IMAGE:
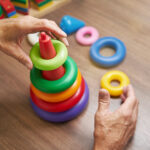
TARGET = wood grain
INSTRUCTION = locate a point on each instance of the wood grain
(21, 129)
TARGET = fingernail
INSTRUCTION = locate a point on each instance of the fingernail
(67, 43)
(103, 93)
(29, 66)
(64, 34)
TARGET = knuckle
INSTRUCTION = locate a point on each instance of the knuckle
(22, 21)
(45, 22)
(53, 22)
(98, 116)
(21, 58)
(101, 117)
(96, 133)
(127, 115)
(18, 24)
(28, 17)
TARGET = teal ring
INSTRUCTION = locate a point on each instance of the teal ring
(59, 85)
(49, 64)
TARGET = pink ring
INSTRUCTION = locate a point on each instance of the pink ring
(80, 35)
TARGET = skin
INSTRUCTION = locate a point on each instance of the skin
(112, 129)
(13, 31)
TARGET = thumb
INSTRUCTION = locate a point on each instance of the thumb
(104, 100)
(22, 57)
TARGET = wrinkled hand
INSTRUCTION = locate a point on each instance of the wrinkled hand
(114, 129)
(12, 32)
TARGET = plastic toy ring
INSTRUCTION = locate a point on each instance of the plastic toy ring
(33, 38)
(66, 115)
(58, 85)
(58, 97)
(114, 76)
(50, 64)
(112, 60)
(81, 35)
(61, 106)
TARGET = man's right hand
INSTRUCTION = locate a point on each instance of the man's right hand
(114, 129)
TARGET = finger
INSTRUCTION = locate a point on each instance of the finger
(123, 98)
(51, 35)
(131, 129)
(64, 40)
(135, 112)
(104, 100)
(14, 50)
(130, 101)
(130, 91)
(125, 91)
(55, 29)
(22, 57)
(35, 25)
(129, 133)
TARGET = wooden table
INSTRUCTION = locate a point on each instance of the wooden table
(21, 129)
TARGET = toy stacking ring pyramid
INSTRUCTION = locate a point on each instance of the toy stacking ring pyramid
(58, 92)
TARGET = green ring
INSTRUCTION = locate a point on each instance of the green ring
(1, 11)
(43, 3)
(50, 64)
(58, 85)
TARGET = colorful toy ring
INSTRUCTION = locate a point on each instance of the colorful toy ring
(58, 85)
(33, 38)
(81, 35)
(61, 106)
(112, 60)
(66, 115)
(58, 97)
(49, 64)
(114, 76)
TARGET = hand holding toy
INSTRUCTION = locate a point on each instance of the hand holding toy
(56, 96)
(18, 28)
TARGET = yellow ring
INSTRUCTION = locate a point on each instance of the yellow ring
(111, 76)
(21, 5)
(58, 97)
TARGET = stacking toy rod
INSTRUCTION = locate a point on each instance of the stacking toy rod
(47, 51)
(56, 96)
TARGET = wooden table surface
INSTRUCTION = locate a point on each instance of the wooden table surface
(21, 129)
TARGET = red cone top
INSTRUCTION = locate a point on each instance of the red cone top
(47, 50)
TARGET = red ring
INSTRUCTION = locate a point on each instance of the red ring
(61, 106)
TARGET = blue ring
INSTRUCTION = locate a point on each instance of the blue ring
(118, 57)
(26, 10)
(11, 13)
(66, 115)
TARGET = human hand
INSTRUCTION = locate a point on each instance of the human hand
(12, 32)
(114, 129)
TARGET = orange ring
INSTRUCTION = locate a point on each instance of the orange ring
(58, 97)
